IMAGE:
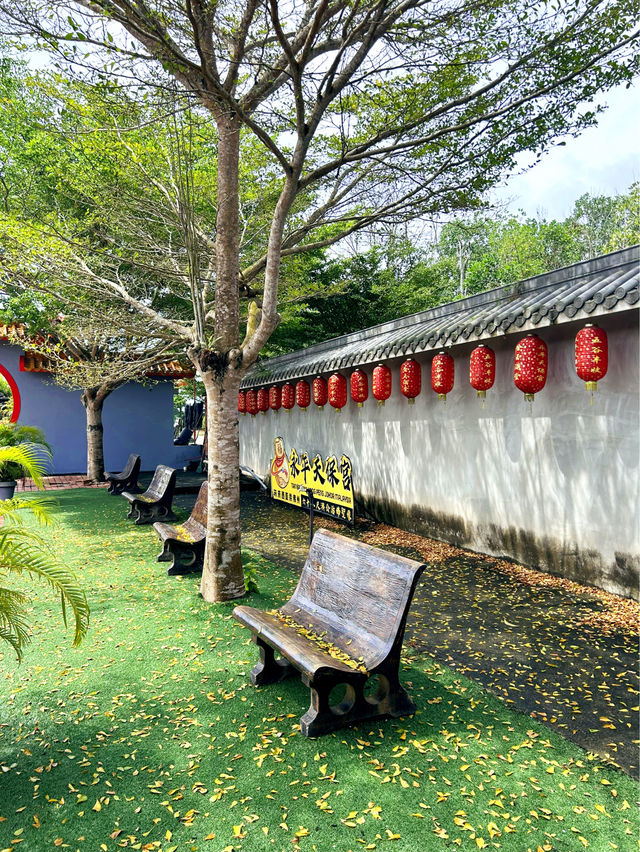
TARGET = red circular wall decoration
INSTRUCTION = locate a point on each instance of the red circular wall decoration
(14, 392)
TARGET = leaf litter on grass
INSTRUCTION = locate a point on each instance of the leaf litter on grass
(150, 736)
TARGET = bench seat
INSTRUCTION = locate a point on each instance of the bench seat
(307, 657)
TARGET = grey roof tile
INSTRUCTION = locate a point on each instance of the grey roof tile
(593, 286)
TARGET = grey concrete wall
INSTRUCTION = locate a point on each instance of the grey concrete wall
(136, 419)
(554, 485)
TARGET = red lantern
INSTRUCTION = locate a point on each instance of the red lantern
(242, 402)
(359, 387)
(482, 369)
(410, 379)
(252, 402)
(381, 383)
(263, 401)
(337, 391)
(288, 396)
(442, 374)
(303, 394)
(320, 392)
(275, 397)
(591, 356)
(530, 366)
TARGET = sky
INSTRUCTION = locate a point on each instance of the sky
(603, 160)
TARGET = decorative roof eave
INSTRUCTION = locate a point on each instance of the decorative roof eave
(586, 290)
(12, 330)
(34, 362)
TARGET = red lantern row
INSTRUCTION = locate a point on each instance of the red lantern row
(529, 375)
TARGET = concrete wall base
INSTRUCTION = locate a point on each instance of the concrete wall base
(585, 566)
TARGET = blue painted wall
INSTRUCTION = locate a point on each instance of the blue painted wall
(137, 419)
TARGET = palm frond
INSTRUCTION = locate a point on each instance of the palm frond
(24, 551)
(22, 558)
(39, 507)
(13, 625)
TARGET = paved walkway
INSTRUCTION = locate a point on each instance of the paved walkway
(562, 653)
(67, 480)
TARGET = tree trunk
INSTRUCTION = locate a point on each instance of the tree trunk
(222, 577)
(93, 403)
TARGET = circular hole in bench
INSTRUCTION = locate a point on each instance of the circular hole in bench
(376, 689)
(342, 698)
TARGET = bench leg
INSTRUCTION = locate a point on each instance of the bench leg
(397, 701)
(185, 561)
(390, 699)
(269, 670)
(166, 554)
(148, 514)
(144, 516)
(133, 512)
(163, 513)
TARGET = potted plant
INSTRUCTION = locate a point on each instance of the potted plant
(12, 467)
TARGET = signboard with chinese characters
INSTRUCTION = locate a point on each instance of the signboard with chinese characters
(329, 479)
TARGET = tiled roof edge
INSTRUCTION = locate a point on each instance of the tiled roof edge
(275, 369)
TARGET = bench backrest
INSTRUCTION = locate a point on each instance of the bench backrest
(358, 594)
(131, 468)
(163, 482)
(199, 512)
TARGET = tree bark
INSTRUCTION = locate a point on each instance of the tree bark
(222, 576)
(93, 403)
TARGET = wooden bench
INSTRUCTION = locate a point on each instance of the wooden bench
(127, 478)
(183, 544)
(156, 501)
(342, 628)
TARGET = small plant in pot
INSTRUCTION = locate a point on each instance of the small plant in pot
(12, 465)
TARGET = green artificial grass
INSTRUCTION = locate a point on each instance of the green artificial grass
(150, 735)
